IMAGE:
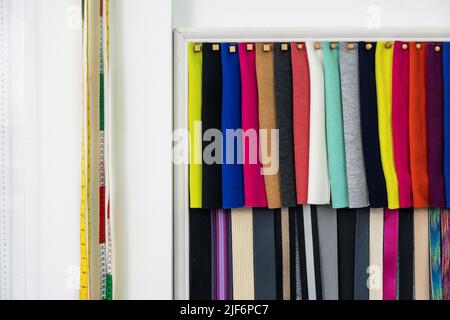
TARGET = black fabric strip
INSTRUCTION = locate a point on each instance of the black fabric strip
(292, 251)
(264, 254)
(362, 253)
(278, 253)
(316, 250)
(302, 251)
(369, 121)
(406, 254)
(200, 254)
(284, 107)
(211, 119)
(346, 222)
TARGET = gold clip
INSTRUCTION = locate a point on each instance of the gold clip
(437, 48)
(266, 47)
(215, 47)
(197, 47)
(368, 46)
(317, 45)
(333, 45)
(284, 47)
(299, 46)
(388, 45)
(232, 48)
(249, 46)
(404, 46)
(418, 46)
(350, 46)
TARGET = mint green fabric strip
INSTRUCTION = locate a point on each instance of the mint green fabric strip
(335, 130)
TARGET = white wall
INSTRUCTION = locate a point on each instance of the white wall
(309, 13)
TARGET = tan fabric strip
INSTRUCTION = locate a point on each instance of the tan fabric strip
(242, 247)
(286, 254)
(375, 271)
(421, 265)
(267, 120)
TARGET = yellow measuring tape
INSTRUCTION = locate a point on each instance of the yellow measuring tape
(85, 207)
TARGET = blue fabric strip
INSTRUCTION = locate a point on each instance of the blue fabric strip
(232, 171)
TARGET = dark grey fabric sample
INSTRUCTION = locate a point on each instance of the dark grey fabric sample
(362, 254)
(264, 254)
(284, 107)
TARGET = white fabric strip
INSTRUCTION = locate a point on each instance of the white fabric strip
(310, 271)
(318, 179)
(375, 271)
(5, 190)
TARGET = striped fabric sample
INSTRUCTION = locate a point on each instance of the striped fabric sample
(267, 122)
(435, 254)
(400, 121)
(318, 179)
(418, 124)
(356, 175)
(445, 246)
(232, 169)
(301, 114)
(435, 138)
(334, 124)
(255, 193)
(383, 69)
(195, 133)
(242, 254)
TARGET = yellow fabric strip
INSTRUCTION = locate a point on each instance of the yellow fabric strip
(286, 254)
(195, 130)
(375, 271)
(383, 68)
(421, 254)
(242, 247)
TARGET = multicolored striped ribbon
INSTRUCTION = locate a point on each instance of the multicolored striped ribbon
(221, 254)
(435, 254)
(445, 243)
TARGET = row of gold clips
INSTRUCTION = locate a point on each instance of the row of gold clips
(267, 47)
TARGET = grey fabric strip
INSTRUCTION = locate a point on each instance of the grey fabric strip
(362, 254)
(356, 175)
(326, 218)
(264, 254)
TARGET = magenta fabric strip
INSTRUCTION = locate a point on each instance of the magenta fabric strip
(400, 121)
(390, 254)
(255, 191)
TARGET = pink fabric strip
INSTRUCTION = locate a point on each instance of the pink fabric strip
(400, 121)
(390, 254)
(254, 188)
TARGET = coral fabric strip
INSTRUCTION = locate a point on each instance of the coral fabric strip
(383, 69)
(400, 121)
(335, 129)
(418, 125)
(435, 124)
(268, 122)
(255, 192)
(301, 98)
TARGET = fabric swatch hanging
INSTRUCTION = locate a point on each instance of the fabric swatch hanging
(418, 124)
(383, 70)
(356, 175)
(232, 168)
(301, 115)
(435, 254)
(362, 249)
(406, 254)
(435, 123)
(334, 126)
(267, 122)
(445, 244)
(421, 254)
(390, 254)
(369, 122)
(211, 123)
(346, 226)
(400, 121)
(318, 178)
(284, 104)
(446, 76)
(255, 193)
(375, 271)
(195, 127)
